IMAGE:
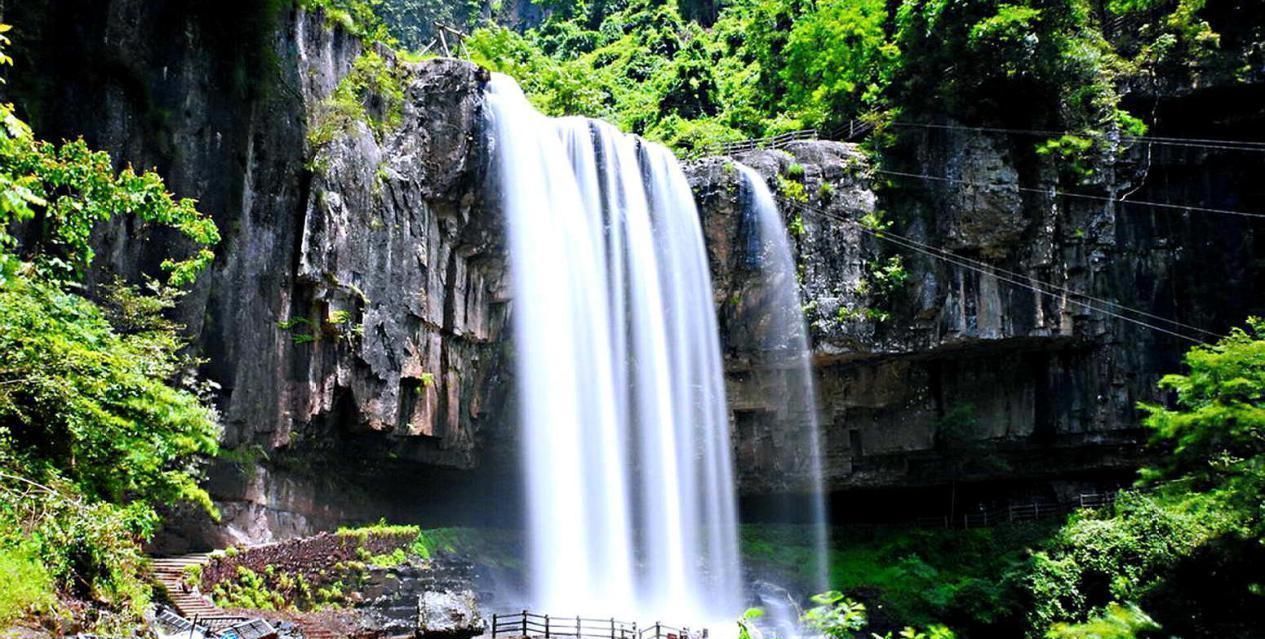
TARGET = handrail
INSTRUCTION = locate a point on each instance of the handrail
(530, 624)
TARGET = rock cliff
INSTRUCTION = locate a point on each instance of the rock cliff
(991, 347)
(353, 318)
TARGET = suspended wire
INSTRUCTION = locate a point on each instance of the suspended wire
(1002, 274)
(1204, 143)
(915, 246)
(998, 269)
(1083, 196)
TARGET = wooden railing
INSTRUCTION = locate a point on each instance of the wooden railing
(742, 146)
(848, 132)
(447, 40)
(1017, 512)
(530, 624)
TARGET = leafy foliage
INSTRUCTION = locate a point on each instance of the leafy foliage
(372, 94)
(100, 420)
(837, 61)
(88, 403)
(1117, 622)
(769, 66)
(835, 616)
(25, 585)
(63, 192)
(1102, 558)
(1181, 549)
(1215, 433)
(839, 617)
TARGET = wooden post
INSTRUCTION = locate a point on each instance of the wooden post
(612, 628)
(494, 624)
(546, 626)
(524, 623)
(656, 630)
(577, 626)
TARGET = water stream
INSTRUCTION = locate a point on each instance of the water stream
(783, 346)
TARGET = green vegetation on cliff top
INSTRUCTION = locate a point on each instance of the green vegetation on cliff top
(768, 66)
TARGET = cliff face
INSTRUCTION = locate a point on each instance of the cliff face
(353, 318)
(960, 369)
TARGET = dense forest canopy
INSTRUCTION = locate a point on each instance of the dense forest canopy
(768, 66)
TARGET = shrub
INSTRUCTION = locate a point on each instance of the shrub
(99, 419)
(25, 585)
(371, 93)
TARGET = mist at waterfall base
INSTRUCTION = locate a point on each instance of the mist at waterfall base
(629, 479)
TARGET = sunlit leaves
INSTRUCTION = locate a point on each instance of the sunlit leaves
(71, 189)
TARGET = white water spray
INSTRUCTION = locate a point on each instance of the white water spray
(630, 482)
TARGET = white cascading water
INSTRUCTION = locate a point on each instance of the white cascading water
(628, 469)
(786, 343)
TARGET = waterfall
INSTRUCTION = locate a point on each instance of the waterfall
(627, 459)
(783, 345)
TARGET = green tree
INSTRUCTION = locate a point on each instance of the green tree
(837, 60)
(1185, 548)
(98, 421)
(1215, 430)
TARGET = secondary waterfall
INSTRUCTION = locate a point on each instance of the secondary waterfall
(628, 469)
(784, 345)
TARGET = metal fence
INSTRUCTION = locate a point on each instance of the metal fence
(1017, 511)
(530, 624)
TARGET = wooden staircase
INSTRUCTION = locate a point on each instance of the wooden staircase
(169, 572)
